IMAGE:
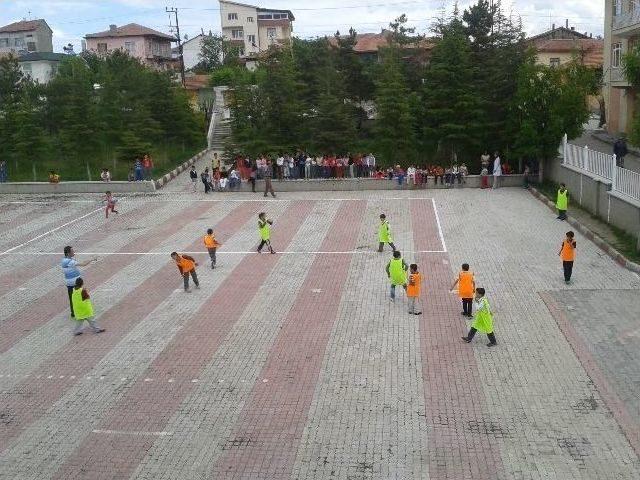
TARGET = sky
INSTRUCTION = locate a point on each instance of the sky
(70, 20)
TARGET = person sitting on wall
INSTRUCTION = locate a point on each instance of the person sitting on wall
(54, 177)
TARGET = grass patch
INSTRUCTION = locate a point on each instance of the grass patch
(621, 240)
(165, 159)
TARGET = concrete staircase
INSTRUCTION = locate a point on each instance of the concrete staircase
(220, 135)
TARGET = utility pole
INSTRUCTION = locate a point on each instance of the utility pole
(175, 12)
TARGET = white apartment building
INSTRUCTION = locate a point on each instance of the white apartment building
(254, 29)
(621, 34)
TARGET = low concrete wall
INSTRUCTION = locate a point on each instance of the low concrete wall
(76, 187)
(162, 181)
(351, 184)
(594, 195)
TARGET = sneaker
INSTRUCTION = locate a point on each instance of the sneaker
(77, 333)
(273, 251)
(213, 265)
(463, 313)
(188, 290)
(492, 344)
(391, 299)
(259, 251)
(100, 330)
(197, 287)
(417, 313)
(466, 339)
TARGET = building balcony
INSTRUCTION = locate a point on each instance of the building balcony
(617, 78)
(626, 24)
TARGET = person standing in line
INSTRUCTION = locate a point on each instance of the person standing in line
(71, 272)
(567, 254)
(413, 288)
(187, 266)
(215, 163)
(562, 202)
(620, 150)
(466, 286)
(138, 169)
(397, 273)
(483, 320)
(212, 245)
(280, 167)
(384, 234)
(147, 165)
(111, 201)
(252, 176)
(204, 176)
(83, 309)
(264, 228)
(484, 160)
(268, 174)
(497, 171)
(193, 175)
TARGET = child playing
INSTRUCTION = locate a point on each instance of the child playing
(397, 273)
(212, 245)
(568, 255)
(187, 266)
(111, 203)
(466, 286)
(83, 309)
(384, 234)
(264, 227)
(483, 320)
(413, 288)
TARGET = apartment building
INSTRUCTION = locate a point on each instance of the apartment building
(621, 34)
(254, 29)
(26, 36)
(151, 47)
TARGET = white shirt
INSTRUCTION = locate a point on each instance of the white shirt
(223, 182)
(411, 172)
(372, 161)
(497, 168)
(280, 161)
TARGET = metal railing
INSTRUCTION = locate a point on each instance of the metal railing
(597, 164)
(626, 182)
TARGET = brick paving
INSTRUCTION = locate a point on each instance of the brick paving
(297, 365)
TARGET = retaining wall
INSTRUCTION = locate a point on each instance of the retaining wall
(76, 187)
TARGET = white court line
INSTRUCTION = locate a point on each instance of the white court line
(137, 434)
(206, 200)
(223, 252)
(435, 210)
(51, 231)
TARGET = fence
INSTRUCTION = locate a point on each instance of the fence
(623, 181)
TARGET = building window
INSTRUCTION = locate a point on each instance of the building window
(237, 33)
(264, 16)
(616, 55)
(271, 32)
(554, 62)
(232, 16)
(18, 42)
(249, 19)
(251, 39)
(4, 42)
(130, 47)
(31, 46)
(102, 48)
(617, 7)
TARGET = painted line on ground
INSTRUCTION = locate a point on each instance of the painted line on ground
(52, 230)
(136, 434)
(435, 210)
(223, 252)
(217, 199)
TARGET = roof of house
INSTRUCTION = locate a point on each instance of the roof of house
(131, 30)
(276, 10)
(24, 26)
(589, 49)
(372, 42)
(37, 56)
(559, 33)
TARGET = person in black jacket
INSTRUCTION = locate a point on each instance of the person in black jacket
(194, 177)
(620, 150)
(206, 179)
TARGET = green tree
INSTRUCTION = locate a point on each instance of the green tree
(394, 129)
(451, 122)
(29, 139)
(549, 102)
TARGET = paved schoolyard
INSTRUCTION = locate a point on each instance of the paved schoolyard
(296, 365)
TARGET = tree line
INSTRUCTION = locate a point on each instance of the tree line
(481, 89)
(97, 112)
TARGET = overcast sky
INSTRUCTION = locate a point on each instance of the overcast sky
(72, 19)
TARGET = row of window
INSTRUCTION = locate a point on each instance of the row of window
(18, 43)
(261, 16)
(130, 47)
(234, 16)
(238, 34)
(634, 5)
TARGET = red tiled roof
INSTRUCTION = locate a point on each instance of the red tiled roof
(589, 49)
(24, 26)
(131, 30)
(372, 42)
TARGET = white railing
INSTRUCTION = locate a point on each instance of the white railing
(591, 161)
(626, 182)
